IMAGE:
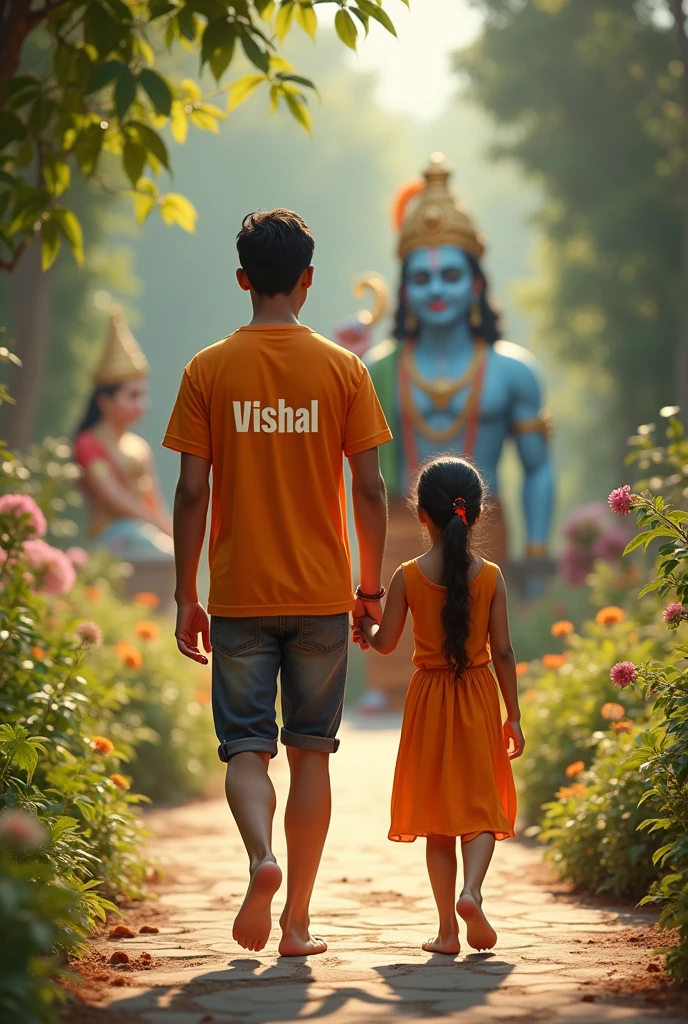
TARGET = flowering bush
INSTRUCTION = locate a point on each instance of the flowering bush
(591, 535)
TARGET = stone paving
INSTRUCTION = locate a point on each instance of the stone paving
(373, 906)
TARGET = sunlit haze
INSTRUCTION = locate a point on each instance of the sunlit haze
(414, 70)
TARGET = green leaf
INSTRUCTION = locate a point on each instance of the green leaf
(640, 540)
(179, 122)
(346, 28)
(104, 74)
(259, 57)
(176, 209)
(100, 28)
(125, 93)
(71, 228)
(87, 147)
(12, 129)
(57, 174)
(50, 247)
(188, 25)
(145, 199)
(363, 18)
(299, 111)
(158, 90)
(242, 89)
(377, 13)
(152, 142)
(306, 19)
(655, 585)
(133, 160)
(284, 19)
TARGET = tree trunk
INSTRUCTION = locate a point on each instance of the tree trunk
(681, 362)
(29, 339)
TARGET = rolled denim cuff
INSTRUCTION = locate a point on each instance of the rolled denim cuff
(324, 744)
(256, 746)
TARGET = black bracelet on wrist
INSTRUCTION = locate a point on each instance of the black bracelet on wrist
(369, 597)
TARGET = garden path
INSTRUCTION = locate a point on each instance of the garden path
(558, 959)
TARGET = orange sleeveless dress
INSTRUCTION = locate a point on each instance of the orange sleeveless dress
(453, 775)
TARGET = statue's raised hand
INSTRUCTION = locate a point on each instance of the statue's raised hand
(355, 336)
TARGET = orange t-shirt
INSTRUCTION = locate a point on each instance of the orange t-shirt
(274, 407)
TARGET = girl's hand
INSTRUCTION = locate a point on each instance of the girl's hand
(359, 637)
(513, 734)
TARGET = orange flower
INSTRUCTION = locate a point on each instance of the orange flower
(574, 769)
(521, 668)
(147, 599)
(577, 790)
(562, 628)
(147, 630)
(202, 697)
(38, 653)
(119, 781)
(131, 657)
(612, 712)
(553, 660)
(93, 593)
(529, 696)
(610, 616)
(625, 726)
(102, 745)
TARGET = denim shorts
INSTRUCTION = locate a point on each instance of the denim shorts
(308, 652)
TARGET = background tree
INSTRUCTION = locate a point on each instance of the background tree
(80, 92)
(591, 94)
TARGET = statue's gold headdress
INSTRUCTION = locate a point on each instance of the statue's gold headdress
(426, 213)
(122, 358)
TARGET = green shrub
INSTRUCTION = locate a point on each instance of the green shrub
(592, 825)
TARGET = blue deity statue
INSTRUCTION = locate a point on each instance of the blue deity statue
(449, 383)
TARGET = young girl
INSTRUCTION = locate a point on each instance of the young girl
(453, 776)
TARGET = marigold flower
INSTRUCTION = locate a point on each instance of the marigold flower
(575, 769)
(612, 712)
(529, 696)
(623, 673)
(22, 830)
(90, 634)
(625, 726)
(24, 505)
(146, 630)
(577, 790)
(674, 614)
(610, 616)
(102, 745)
(37, 653)
(562, 628)
(202, 697)
(119, 781)
(129, 655)
(147, 599)
(621, 500)
(93, 593)
(553, 660)
(521, 668)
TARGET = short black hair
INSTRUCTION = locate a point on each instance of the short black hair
(275, 247)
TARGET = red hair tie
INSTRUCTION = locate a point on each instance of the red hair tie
(459, 506)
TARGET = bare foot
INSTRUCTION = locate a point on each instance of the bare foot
(294, 944)
(449, 945)
(254, 920)
(479, 931)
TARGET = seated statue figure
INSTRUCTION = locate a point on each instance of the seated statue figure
(126, 510)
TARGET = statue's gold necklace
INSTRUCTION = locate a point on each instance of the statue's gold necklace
(441, 391)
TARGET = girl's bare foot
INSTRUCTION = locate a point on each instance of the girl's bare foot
(479, 931)
(301, 945)
(443, 944)
(254, 920)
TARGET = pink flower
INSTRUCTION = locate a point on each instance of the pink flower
(23, 505)
(623, 673)
(90, 634)
(674, 614)
(54, 571)
(586, 523)
(621, 500)
(77, 556)
(611, 545)
(21, 829)
(575, 565)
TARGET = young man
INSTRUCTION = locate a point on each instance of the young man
(271, 410)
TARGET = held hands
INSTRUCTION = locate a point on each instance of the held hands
(192, 619)
(514, 739)
(371, 610)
